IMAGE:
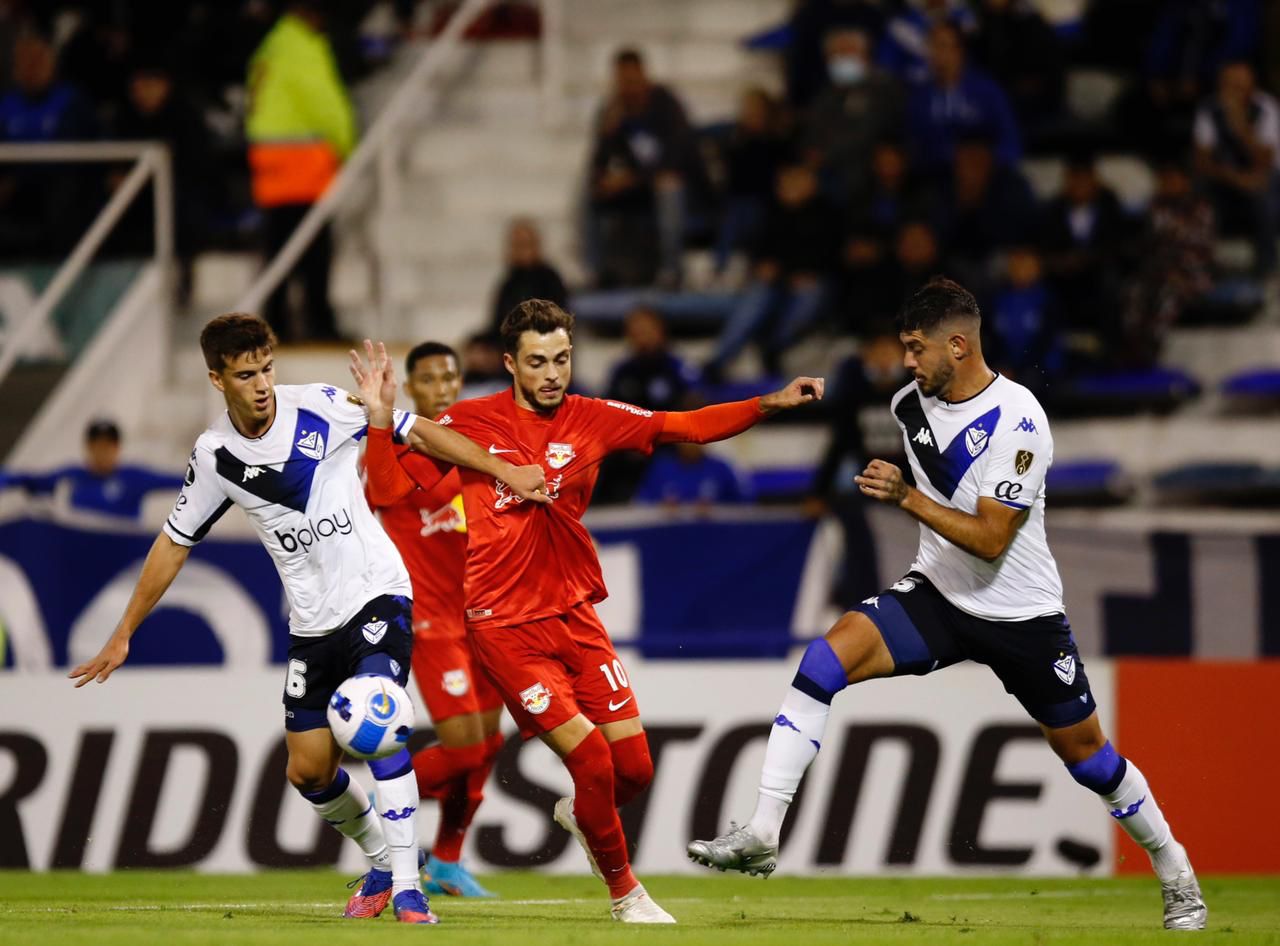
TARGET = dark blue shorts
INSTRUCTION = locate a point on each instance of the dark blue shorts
(379, 639)
(1036, 660)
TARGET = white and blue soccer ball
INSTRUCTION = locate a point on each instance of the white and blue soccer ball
(371, 716)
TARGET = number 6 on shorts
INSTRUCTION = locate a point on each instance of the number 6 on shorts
(295, 681)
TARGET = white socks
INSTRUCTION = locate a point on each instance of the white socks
(793, 743)
(397, 805)
(353, 816)
(1134, 807)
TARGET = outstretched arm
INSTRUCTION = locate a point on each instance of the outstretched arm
(721, 421)
(393, 475)
(377, 383)
(163, 563)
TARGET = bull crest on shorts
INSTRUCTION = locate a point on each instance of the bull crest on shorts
(559, 455)
(455, 682)
(536, 699)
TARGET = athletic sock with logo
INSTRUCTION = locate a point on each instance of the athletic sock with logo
(397, 805)
(591, 765)
(796, 736)
(1124, 790)
(345, 805)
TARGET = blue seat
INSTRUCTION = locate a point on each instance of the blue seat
(1091, 482)
(1220, 484)
(1127, 392)
(608, 309)
(1255, 383)
(781, 483)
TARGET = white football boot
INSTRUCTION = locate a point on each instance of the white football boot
(638, 907)
(1184, 907)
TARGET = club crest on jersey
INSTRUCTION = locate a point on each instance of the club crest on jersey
(975, 439)
(559, 455)
(536, 699)
(1065, 668)
(311, 444)
(374, 631)
(455, 682)
(1022, 462)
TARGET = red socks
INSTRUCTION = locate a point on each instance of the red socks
(456, 777)
(632, 767)
(591, 765)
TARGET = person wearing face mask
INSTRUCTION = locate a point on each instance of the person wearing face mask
(861, 106)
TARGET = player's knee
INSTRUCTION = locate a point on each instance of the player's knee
(632, 765)
(309, 775)
(1101, 771)
(860, 647)
(466, 758)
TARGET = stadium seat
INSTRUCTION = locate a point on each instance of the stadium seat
(1219, 484)
(781, 484)
(1255, 385)
(1088, 482)
(687, 313)
(1233, 301)
(1154, 390)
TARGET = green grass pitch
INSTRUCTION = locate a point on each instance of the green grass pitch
(303, 907)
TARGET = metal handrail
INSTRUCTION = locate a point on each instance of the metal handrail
(150, 159)
(378, 138)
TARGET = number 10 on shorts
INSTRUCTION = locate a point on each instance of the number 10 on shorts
(616, 676)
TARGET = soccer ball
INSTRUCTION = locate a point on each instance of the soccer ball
(371, 716)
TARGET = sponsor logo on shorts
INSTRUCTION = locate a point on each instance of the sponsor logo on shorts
(559, 455)
(614, 707)
(536, 699)
(903, 585)
(1022, 462)
(1065, 668)
(374, 631)
(456, 682)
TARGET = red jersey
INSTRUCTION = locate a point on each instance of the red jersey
(529, 561)
(429, 527)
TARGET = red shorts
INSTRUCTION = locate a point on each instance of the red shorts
(551, 670)
(450, 681)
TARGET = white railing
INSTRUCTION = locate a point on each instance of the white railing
(379, 144)
(150, 162)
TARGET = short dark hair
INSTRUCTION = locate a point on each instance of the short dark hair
(628, 56)
(534, 315)
(102, 429)
(937, 301)
(426, 350)
(234, 334)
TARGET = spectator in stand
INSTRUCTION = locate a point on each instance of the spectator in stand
(528, 275)
(687, 474)
(155, 111)
(1237, 143)
(1023, 53)
(1191, 40)
(894, 194)
(810, 21)
(101, 484)
(794, 261)
(958, 100)
(644, 160)
(874, 287)
(986, 206)
(862, 105)
(1024, 324)
(651, 375)
(1084, 238)
(861, 429)
(43, 207)
(301, 126)
(904, 49)
(755, 150)
(482, 369)
(1176, 262)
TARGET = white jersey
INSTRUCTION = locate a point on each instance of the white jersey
(300, 487)
(997, 444)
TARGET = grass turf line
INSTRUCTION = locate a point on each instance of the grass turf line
(142, 908)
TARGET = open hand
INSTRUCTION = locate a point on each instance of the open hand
(102, 666)
(376, 381)
(800, 391)
(882, 481)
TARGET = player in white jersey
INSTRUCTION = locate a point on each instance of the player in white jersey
(983, 587)
(287, 456)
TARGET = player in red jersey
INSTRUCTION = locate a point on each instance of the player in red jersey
(429, 527)
(533, 576)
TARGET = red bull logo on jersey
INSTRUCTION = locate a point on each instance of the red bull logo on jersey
(450, 518)
(559, 455)
(536, 699)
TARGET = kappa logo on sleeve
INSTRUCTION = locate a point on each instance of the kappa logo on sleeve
(1028, 425)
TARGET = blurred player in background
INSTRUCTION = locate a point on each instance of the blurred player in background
(984, 587)
(533, 575)
(287, 456)
(429, 527)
